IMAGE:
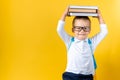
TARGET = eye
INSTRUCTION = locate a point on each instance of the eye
(77, 27)
(85, 27)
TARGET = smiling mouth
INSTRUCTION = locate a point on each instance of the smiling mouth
(81, 34)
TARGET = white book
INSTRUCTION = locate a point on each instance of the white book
(84, 7)
(83, 14)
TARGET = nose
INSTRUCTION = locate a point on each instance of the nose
(82, 30)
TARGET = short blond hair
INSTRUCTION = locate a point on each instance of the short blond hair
(80, 17)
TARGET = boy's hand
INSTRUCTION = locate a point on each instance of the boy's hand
(65, 14)
(66, 11)
(100, 18)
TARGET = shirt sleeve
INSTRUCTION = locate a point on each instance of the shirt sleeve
(99, 36)
(61, 32)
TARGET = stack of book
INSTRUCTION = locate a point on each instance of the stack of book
(83, 11)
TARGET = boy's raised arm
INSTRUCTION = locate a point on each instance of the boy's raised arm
(60, 28)
(100, 18)
(103, 31)
(64, 14)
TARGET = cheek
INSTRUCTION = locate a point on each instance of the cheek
(75, 33)
(87, 33)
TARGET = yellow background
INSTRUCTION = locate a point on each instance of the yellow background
(30, 48)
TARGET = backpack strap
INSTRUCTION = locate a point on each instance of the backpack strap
(71, 40)
(90, 43)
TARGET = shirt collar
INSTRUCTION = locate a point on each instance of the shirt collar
(77, 40)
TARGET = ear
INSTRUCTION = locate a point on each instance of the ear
(73, 30)
(89, 31)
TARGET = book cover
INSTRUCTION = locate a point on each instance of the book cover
(85, 7)
(83, 14)
(83, 10)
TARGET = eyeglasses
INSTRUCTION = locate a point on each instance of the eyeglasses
(79, 28)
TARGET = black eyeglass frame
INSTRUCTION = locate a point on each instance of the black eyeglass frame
(79, 28)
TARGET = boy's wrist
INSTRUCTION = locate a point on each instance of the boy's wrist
(101, 21)
(63, 17)
(100, 18)
(65, 14)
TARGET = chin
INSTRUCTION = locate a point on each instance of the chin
(82, 37)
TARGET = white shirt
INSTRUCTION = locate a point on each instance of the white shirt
(79, 55)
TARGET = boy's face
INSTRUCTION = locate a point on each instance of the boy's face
(81, 28)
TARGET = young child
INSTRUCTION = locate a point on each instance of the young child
(80, 64)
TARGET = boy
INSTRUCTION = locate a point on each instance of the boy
(80, 65)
